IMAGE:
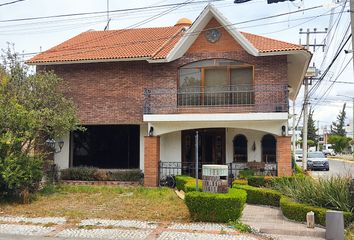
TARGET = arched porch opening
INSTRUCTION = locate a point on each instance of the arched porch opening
(269, 147)
(240, 148)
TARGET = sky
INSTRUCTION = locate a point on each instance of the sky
(39, 35)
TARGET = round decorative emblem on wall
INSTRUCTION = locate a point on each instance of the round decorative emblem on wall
(212, 35)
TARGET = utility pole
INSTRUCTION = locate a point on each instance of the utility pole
(318, 135)
(308, 79)
(352, 26)
(294, 134)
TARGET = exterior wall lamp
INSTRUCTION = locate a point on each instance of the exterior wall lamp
(151, 131)
(283, 130)
(51, 143)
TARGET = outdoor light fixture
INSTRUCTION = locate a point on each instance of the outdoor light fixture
(283, 130)
(51, 143)
(151, 131)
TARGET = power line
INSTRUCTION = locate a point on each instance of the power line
(9, 3)
(103, 12)
(113, 33)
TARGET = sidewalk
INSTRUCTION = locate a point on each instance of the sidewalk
(271, 221)
(57, 228)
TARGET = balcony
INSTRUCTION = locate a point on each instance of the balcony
(220, 99)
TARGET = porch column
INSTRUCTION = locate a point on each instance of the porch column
(151, 160)
(284, 156)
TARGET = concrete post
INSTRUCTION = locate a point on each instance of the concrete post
(334, 225)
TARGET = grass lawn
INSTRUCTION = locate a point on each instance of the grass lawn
(108, 202)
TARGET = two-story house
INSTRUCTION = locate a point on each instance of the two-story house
(143, 94)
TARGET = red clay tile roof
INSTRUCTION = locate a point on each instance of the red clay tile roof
(264, 44)
(150, 43)
(114, 44)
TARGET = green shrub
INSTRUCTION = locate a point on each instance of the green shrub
(332, 193)
(262, 196)
(240, 182)
(244, 174)
(297, 211)
(260, 181)
(20, 175)
(125, 175)
(298, 169)
(79, 174)
(95, 174)
(216, 207)
(187, 183)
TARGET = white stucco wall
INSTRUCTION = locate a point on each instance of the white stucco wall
(170, 147)
(62, 158)
(252, 137)
(143, 132)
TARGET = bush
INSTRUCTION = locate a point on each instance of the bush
(216, 207)
(332, 193)
(78, 173)
(20, 175)
(187, 183)
(240, 182)
(244, 174)
(260, 181)
(126, 175)
(95, 174)
(262, 196)
(297, 212)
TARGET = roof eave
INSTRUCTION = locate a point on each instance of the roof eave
(87, 61)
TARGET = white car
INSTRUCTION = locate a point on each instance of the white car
(298, 155)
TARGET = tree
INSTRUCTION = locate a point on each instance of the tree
(338, 127)
(339, 143)
(312, 137)
(32, 105)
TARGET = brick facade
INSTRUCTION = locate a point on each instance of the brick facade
(284, 156)
(113, 93)
(151, 160)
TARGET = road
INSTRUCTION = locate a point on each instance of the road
(336, 168)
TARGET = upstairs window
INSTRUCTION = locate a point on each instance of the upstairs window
(216, 82)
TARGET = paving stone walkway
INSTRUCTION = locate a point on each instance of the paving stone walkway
(47, 228)
(271, 221)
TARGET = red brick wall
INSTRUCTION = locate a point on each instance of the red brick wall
(226, 42)
(284, 156)
(112, 93)
(151, 161)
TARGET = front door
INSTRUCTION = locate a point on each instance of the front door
(211, 148)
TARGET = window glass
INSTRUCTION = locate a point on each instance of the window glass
(189, 78)
(242, 77)
(215, 79)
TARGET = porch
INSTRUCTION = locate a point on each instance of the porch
(174, 152)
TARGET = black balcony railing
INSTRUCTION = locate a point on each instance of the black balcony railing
(240, 98)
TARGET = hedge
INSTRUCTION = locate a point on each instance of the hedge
(216, 207)
(261, 196)
(297, 212)
(95, 174)
(259, 181)
(187, 183)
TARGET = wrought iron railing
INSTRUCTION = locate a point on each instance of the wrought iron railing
(188, 168)
(240, 98)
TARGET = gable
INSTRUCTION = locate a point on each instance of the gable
(226, 42)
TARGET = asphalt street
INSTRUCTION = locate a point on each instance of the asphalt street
(336, 168)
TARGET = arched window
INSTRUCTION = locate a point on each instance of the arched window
(240, 148)
(269, 149)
